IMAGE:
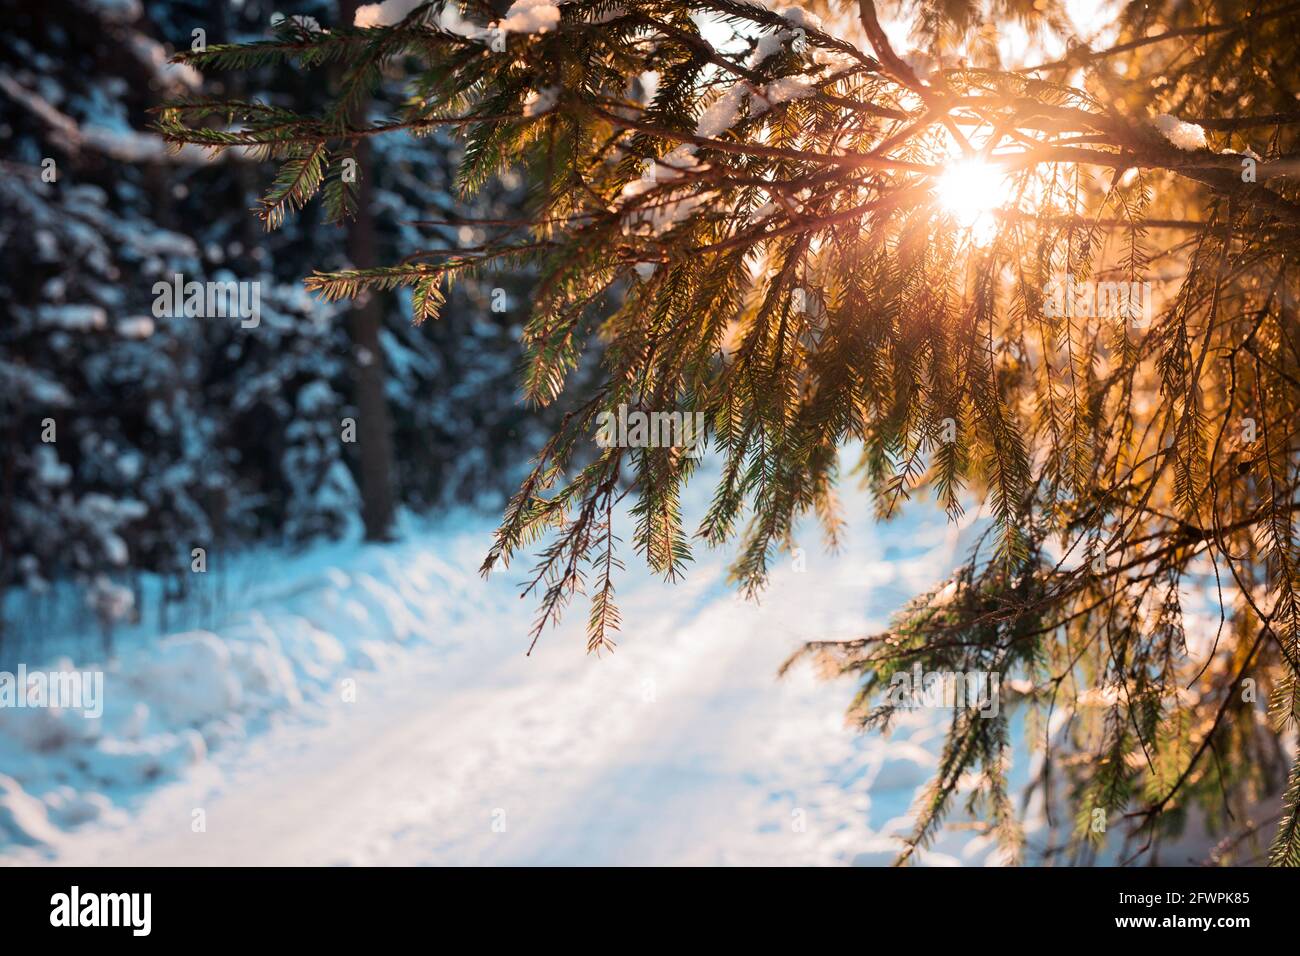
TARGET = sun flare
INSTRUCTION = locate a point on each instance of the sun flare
(969, 190)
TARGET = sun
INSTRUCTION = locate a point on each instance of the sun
(969, 190)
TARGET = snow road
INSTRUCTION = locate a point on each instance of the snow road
(682, 747)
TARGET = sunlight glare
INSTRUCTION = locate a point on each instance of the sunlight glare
(969, 190)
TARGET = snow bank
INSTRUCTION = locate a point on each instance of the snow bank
(169, 702)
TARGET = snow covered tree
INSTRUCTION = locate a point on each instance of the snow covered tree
(99, 418)
(1041, 268)
(129, 437)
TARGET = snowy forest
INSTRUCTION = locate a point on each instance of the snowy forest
(886, 412)
(166, 433)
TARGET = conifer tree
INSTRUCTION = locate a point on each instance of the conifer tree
(1061, 290)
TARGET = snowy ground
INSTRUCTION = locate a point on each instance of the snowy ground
(681, 747)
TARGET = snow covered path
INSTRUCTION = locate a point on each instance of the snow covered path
(682, 747)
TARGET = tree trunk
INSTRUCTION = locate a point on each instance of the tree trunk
(374, 424)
